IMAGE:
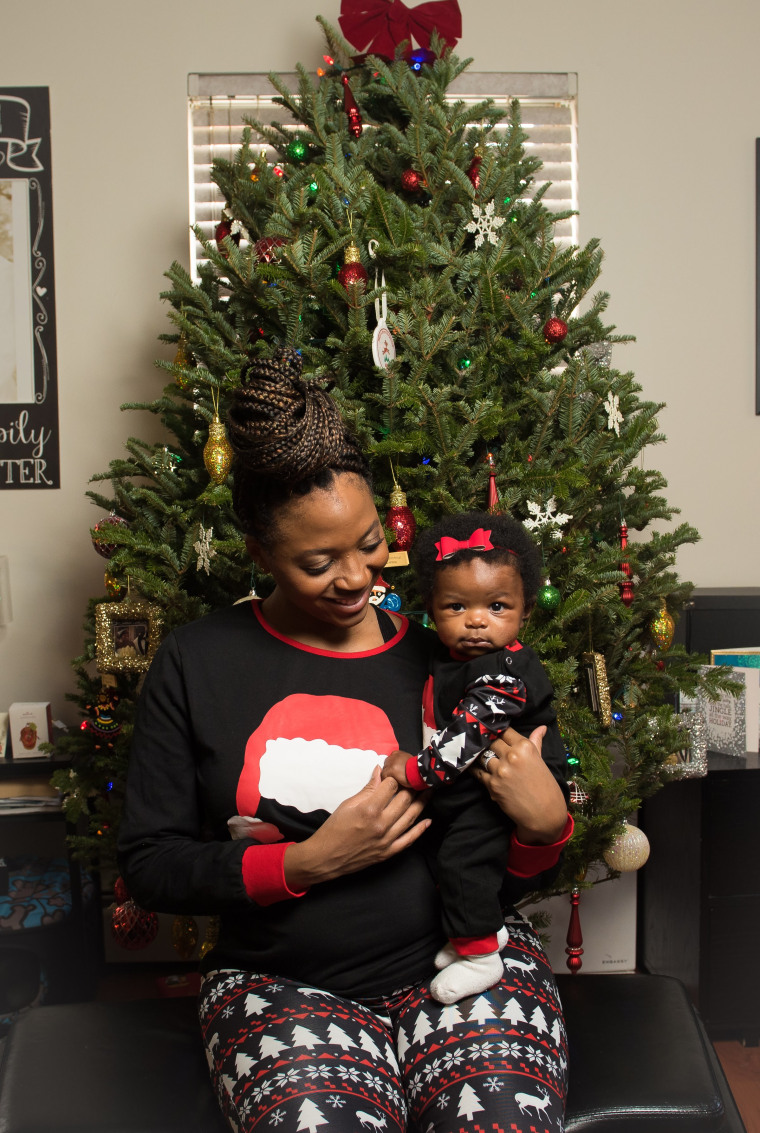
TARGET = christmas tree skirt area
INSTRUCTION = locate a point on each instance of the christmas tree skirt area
(640, 1059)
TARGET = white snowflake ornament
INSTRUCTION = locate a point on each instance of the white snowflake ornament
(203, 548)
(546, 518)
(612, 409)
(485, 224)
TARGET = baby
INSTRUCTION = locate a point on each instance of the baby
(479, 575)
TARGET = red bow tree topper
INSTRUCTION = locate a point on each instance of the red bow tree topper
(377, 27)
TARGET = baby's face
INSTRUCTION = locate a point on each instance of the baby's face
(478, 606)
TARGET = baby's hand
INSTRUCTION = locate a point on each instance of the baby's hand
(395, 768)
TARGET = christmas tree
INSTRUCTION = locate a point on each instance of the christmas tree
(492, 383)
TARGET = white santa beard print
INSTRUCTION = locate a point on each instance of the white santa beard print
(311, 775)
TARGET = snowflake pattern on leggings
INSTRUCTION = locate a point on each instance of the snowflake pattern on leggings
(287, 1056)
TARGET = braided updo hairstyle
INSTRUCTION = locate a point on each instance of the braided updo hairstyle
(288, 437)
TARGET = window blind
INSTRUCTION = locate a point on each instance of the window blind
(219, 105)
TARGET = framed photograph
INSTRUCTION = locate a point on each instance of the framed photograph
(127, 635)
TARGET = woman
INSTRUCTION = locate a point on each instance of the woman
(315, 1006)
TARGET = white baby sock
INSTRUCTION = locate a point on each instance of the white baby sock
(467, 975)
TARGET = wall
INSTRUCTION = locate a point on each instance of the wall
(668, 117)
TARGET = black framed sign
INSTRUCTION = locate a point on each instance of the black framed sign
(29, 440)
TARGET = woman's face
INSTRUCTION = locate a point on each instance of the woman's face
(326, 552)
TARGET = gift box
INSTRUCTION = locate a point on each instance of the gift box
(31, 724)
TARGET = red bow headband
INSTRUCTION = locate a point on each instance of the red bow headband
(480, 540)
(377, 26)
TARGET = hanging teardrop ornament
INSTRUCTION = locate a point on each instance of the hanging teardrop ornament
(493, 495)
(662, 629)
(217, 452)
(626, 587)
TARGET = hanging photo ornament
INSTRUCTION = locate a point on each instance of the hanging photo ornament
(127, 635)
(383, 346)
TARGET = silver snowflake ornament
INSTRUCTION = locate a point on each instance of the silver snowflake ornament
(485, 224)
(612, 409)
(546, 517)
(203, 548)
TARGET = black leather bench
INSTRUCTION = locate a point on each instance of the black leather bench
(640, 1063)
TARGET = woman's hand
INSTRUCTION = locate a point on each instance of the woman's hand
(377, 823)
(517, 778)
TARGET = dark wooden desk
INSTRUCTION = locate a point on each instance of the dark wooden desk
(699, 893)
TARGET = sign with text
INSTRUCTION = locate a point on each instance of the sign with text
(29, 443)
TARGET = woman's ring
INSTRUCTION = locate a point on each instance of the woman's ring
(486, 757)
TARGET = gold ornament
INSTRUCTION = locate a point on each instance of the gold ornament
(184, 936)
(629, 851)
(598, 687)
(127, 635)
(212, 936)
(662, 629)
(217, 453)
(182, 358)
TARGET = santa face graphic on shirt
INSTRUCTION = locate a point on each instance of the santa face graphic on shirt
(307, 755)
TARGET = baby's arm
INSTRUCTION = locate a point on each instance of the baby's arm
(487, 709)
(395, 767)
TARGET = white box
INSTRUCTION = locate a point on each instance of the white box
(608, 925)
(31, 724)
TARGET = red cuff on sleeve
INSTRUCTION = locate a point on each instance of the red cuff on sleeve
(475, 945)
(527, 861)
(412, 772)
(264, 873)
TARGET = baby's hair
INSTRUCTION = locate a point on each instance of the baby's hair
(512, 545)
(288, 437)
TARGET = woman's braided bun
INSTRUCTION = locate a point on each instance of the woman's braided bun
(288, 437)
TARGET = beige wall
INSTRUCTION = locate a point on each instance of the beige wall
(669, 111)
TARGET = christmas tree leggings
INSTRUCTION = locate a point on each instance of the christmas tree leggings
(284, 1056)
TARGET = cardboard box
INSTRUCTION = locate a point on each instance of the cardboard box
(31, 724)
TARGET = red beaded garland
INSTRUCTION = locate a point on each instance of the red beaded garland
(555, 330)
(626, 587)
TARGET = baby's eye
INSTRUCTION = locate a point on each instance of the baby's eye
(497, 607)
(456, 606)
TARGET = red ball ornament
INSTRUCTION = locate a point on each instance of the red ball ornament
(352, 271)
(223, 230)
(132, 927)
(555, 330)
(101, 530)
(400, 519)
(411, 181)
(264, 249)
